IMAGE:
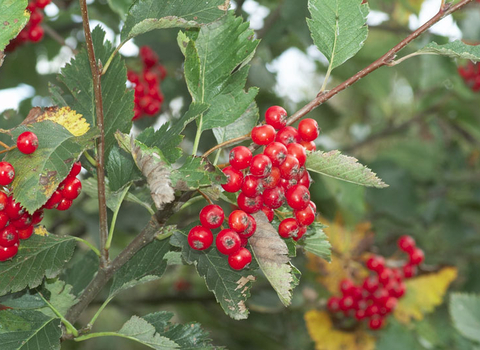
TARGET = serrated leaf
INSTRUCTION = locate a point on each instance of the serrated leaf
(121, 169)
(424, 293)
(29, 330)
(240, 127)
(318, 244)
(327, 337)
(143, 332)
(117, 99)
(147, 15)
(65, 116)
(38, 175)
(272, 256)
(37, 257)
(231, 288)
(465, 313)
(59, 295)
(187, 336)
(146, 265)
(454, 49)
(338, 28)
(216, 70)
(341, 167)
(13, 18)
(195, 173)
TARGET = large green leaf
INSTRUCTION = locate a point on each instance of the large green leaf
(216, 70)
(231, 288)
(141, 331)
(29, 330)
(81, 271)
(338, 28)
(454, 49)
(39, 174)
(117, 99)
(272, 256)
(13, 17)
(37, 257)
(341, 167)
(147, 15)
(465, 313)
(121, 169)
(240, 127)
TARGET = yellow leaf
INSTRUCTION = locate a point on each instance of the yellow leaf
(326, 337)
(423, 294)
(41, 231)
(66, 117)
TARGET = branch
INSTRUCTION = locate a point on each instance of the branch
(97, 87)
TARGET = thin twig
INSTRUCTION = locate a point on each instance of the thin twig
(57, 37)
(97, 87)
(226, 143)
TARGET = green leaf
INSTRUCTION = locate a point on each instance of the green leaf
(454, 49)
(272, 255)
(81, 272)
(195, 174)
(37, 257)
(317, 243)
(338, 28)
(231, 288)
(29, 330)
(188, 336)
(38, 175)
(147, 15)
(60, 296)
(13, 17)
(240, 127)
(465, 313)
(120, 6)
(216, 70)
(341, 167)
(146, 265)
(117, 99)
(121, 169)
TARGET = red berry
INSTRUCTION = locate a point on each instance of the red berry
(277, 152)
(290, 167)
(306, 216)
(417, 256)
(240, 157)
(261, 166)
(8, 252)
(274, 198)
(360, 314)
(376, 323)
(371, 284)
(276, 116)
(409, 271)
(289, 228)
(3, 201)
(376, 263)
(234, 179)
(42, 3)
(372, 310)
(346, 285)
(71, 188)
(77, 167)
(298, 197)
(150, 78)
(396, 290)
(308, 129)
(35, 33)
(286, 184)
(212, 216)
(36, 17)
(22, 222)
(200, 238)
(272, 180)
(252, 186)
(133, 77)
(7, 173)
(148, 56)
(243, 240)
(238, 220)
(301, 231)
(152, 108)
(250, 205)
(8, 236)
(391, 304)
(380, 296)
(305, 180)
(14, 209)
(268, 213)
(64, 204)
(385, 276)
(346, 303)
(298, 151)
(240, 259)
(27, 142)
(288, 135)
(3, 219)
(263, 134)
(228, 241)
(309, 145)
(251, 228)
(26, 232)
(406, 244)
(333, 304)
(53, 200)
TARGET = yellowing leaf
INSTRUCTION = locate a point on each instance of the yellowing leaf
(326, 337)
(41, 231)
(65, 116)
(423, 294)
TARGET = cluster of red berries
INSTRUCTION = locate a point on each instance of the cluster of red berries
(229, 241)
(33, 31)
(277, 176)
(378, 295)
(148, 96)
(471, 75)
(15, 223)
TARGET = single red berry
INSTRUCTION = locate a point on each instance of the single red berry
(416, 256)
(372, 310)
(288, 135)
(308, 129)
(306, 216)
(391, 304)
(346, 303)
(36, 17)
(371, 284)
(240, 259)
(200, 238)
(305, 180)
(333, 304)
(26, 232)
(260, 166)
(277, 152)
(272, 180)
(14, 209)
(252, 186)
(409, 271)
(298, 151)
(77, 167)
(8, 236)
(276, 116)
(53, 200)
(212, 216)
(288, 228)
(376, 323)
(7, 173)
(228, 241)
(238, 220)
(71, 188)
(240, 157)
(298, 197)
(290, 167)
(234, 179)
(301, 231)
(149, 57)
(251, 228)
(346, 285)
(376, 263)
(151, 78)
(274, 198)
(385, 276)
(309, 145)
(3, 219)
(35, 33)
(22, 222)
(8, 252)
(288, 183)
(27, 142)
(263, 134)
(380, 296)
(153, 108)
(42, 3)
(133, 77)
(268, 213)
(250, 205)
(64, 204)
(360, 314)
(406, 244)
(396, 290)
(3, 200)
